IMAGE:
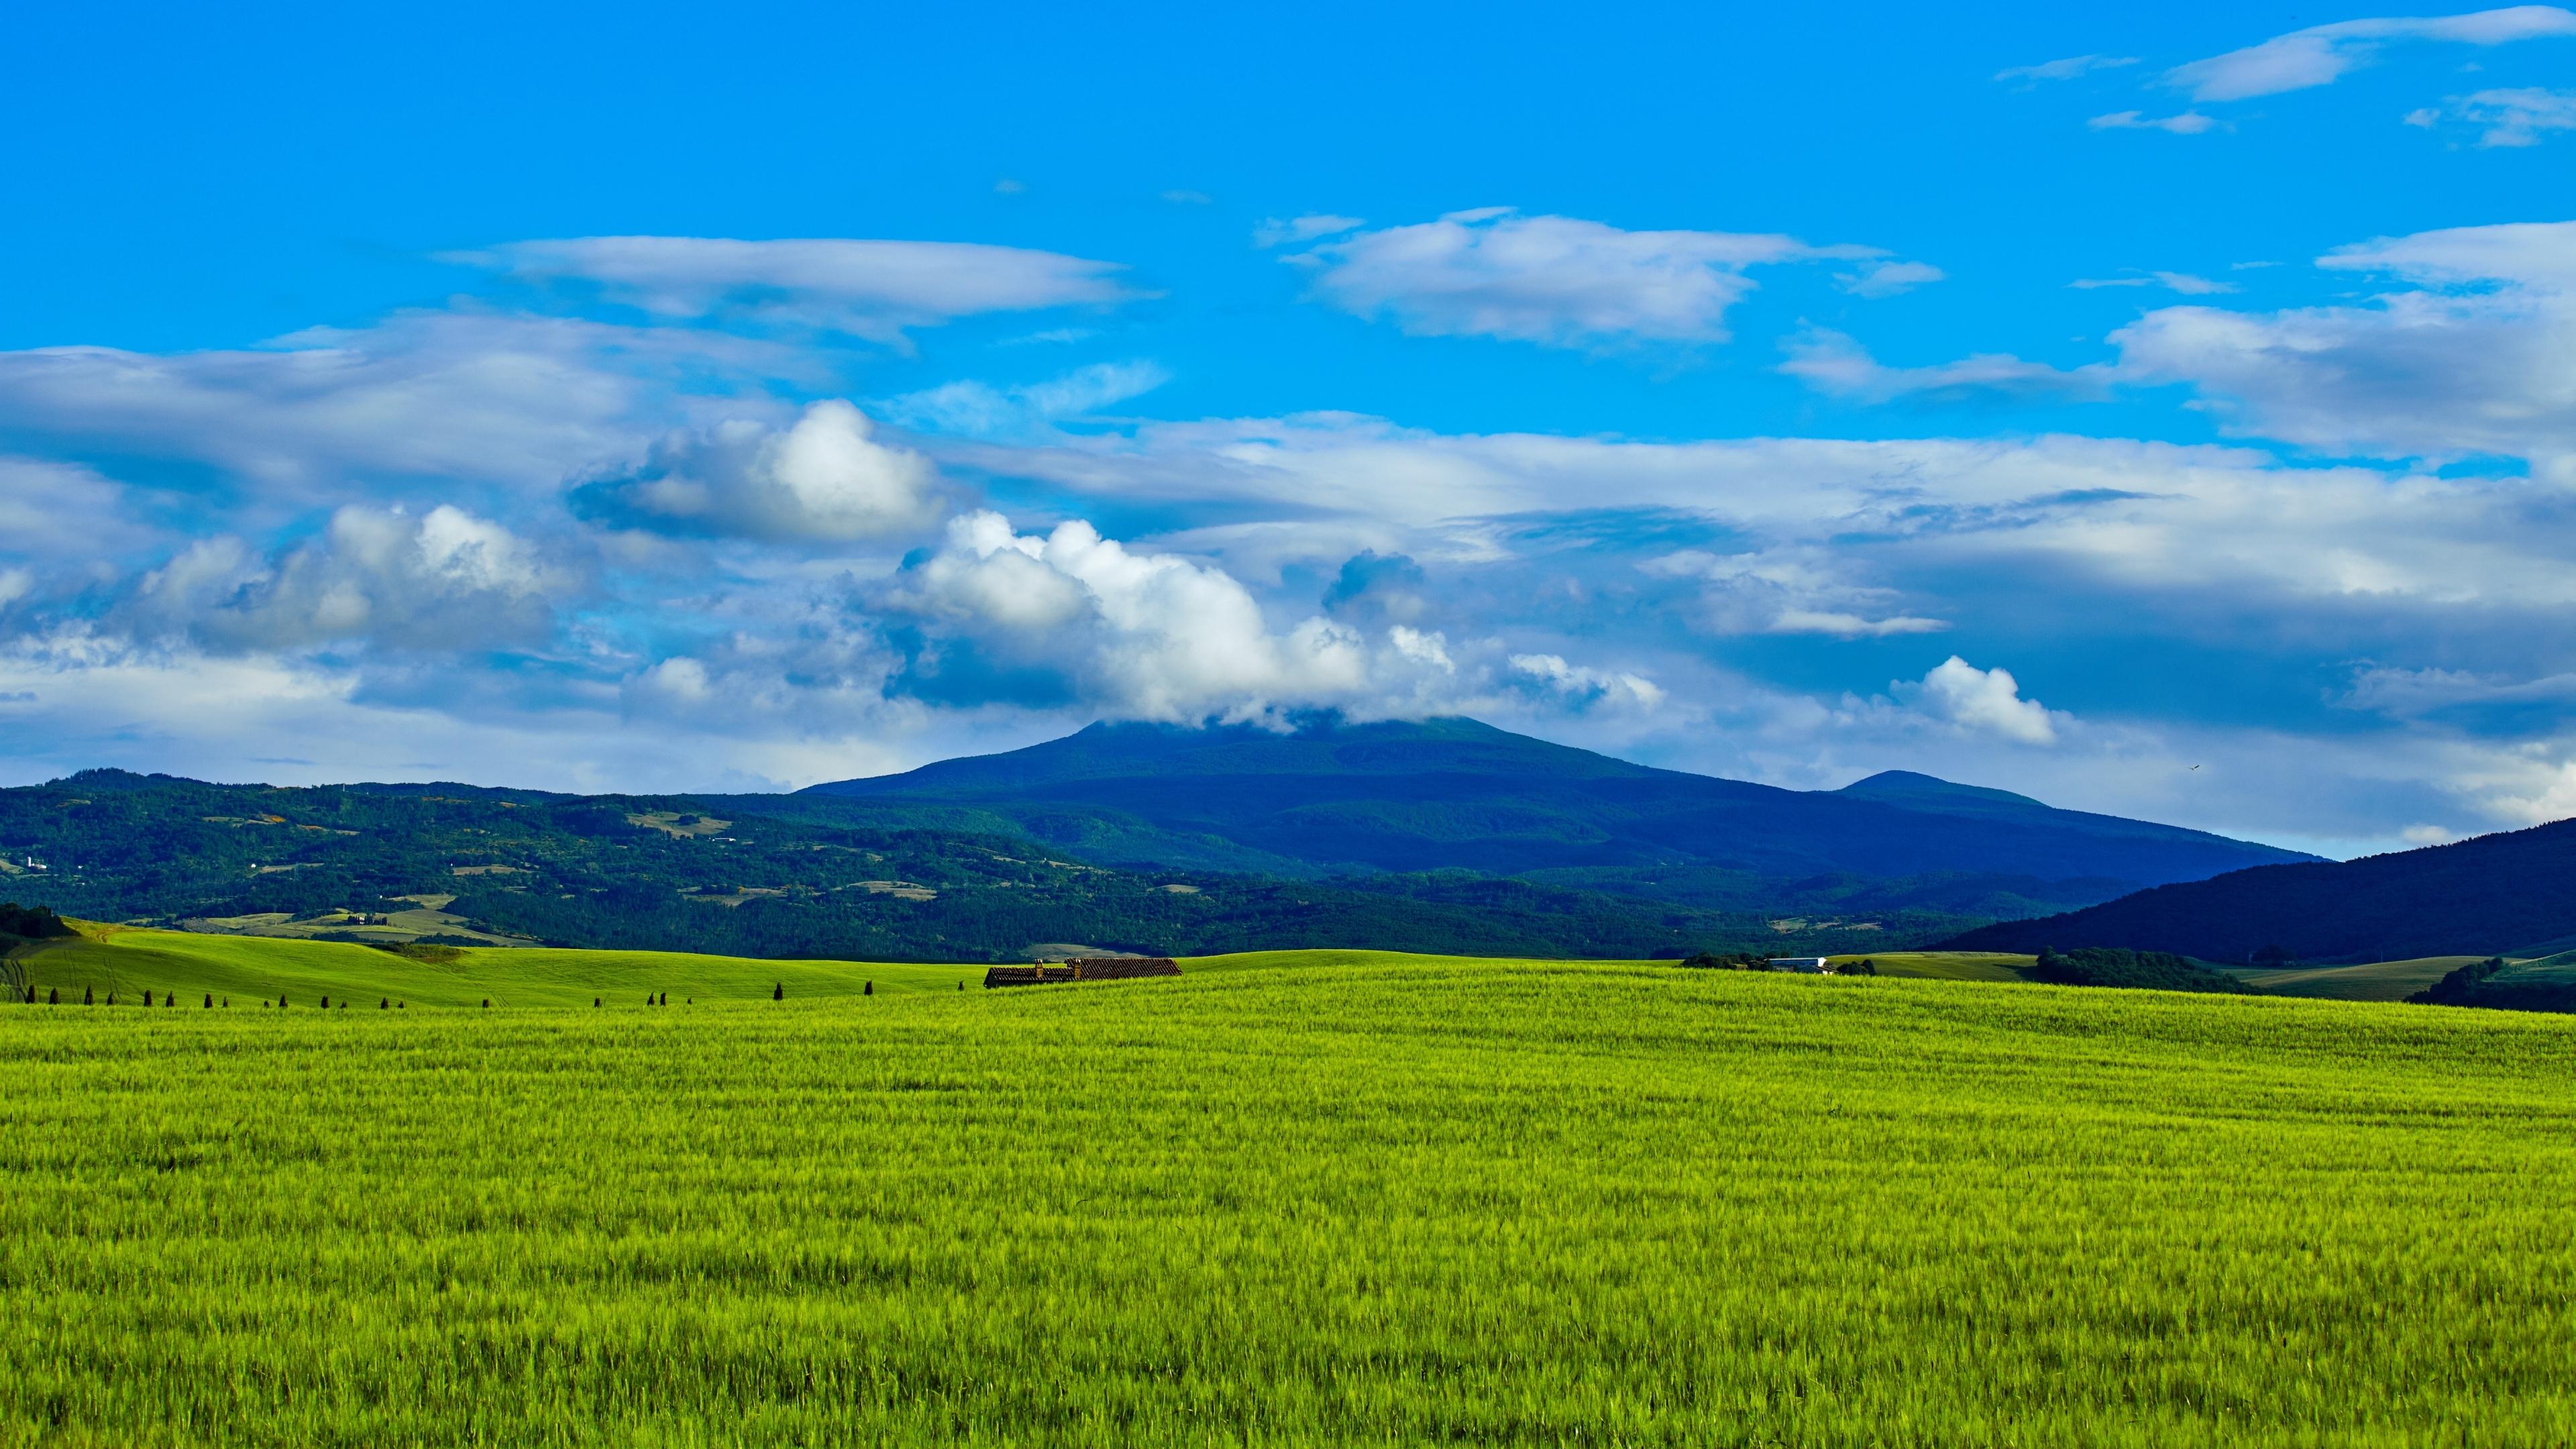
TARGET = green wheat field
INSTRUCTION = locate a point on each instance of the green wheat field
(1320, 1197)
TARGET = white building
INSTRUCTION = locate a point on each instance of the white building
(1811, 965)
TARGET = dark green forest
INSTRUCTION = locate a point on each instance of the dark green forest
(779, 876)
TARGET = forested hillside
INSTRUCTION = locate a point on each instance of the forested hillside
(814, 879)
(2496, 893)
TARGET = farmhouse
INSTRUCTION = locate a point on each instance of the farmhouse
(1811, 965)
(1083, 968)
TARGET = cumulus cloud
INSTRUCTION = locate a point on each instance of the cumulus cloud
(1149, 636)
(2188, 123)
(1586, 687)
(824, 480)
(1553, 280)
(1981, 700)
(982, 410)
(2066, 69)
(2321, 54)
(871, 289)
(442, 580)
(2479, 357)
(1832, 362)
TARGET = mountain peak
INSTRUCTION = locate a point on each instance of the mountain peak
(1923, 789)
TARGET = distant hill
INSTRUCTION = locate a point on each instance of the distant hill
(2497, 893)
(762, 876)
(1332, 799)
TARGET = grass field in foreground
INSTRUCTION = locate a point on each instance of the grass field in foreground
(1382, 1202)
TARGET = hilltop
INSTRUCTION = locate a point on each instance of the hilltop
(1331, 798)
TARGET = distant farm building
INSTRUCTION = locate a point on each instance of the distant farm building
(1811, 965)
(1083, 968)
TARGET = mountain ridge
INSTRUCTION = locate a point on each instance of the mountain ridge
(2487, 894)
(1452, 793)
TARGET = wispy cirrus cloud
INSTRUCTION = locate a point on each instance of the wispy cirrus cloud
(1552, 280)
(2066, 69)
(1274, 232)
(2188, 123)
(870, 289)
(2512, 117)
(1835, 363)
(2478, 356)
(2183, 282)
(974, 408)
(2322, 54)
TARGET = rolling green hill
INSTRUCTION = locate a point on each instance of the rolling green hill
(1363, 1200)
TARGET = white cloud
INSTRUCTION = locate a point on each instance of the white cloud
(2066, 69)
(2188, 123)
(1553, 280)
(466, 395)
(1886, 279)
(824, 480)
(981, 410)
(2478, 358)
(1788, 590)
(2183, 282)
(1834, 363)
(441, 580)
(1987, 700)
(61, 516)
(1149, 636)
(872, 289)
(2517, 117)
(2321, 54)
(1585, 687)
(1273, 232)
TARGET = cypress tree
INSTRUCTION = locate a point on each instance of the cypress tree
(384, 1003)
(210, 1001)
(326, 1003)
(594, 1001)
(54, 997)
(86, 998)
(778, 992)
(869, 989)
(147, 996)
(487, 1003)
(666, 998)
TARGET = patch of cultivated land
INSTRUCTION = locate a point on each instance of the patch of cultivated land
(1308, 1198)
(1943, 965)
(250, 970)
(2369, 981)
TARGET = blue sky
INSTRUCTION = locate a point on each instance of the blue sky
(2170, 413)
